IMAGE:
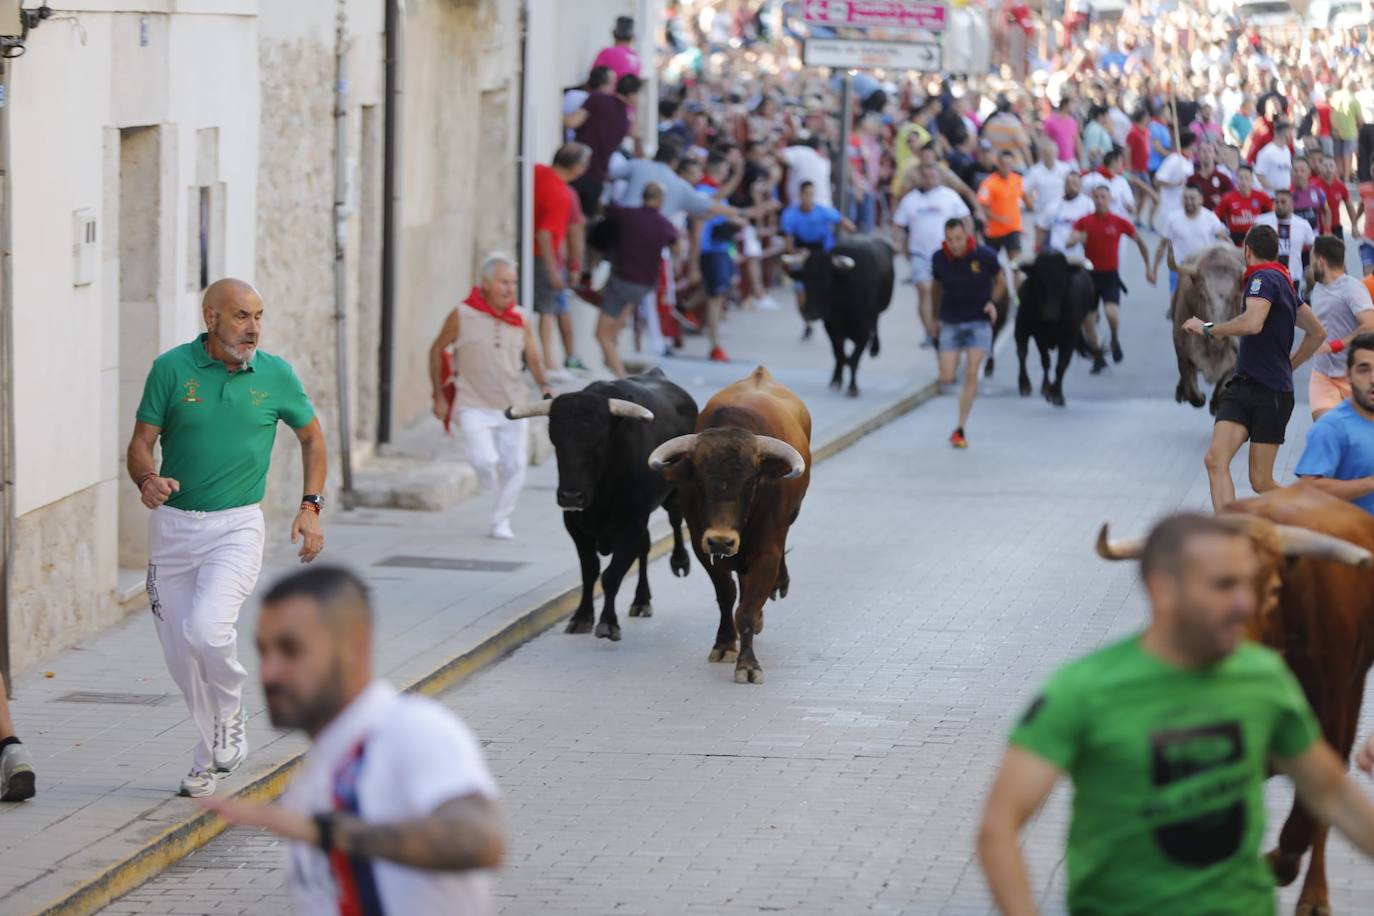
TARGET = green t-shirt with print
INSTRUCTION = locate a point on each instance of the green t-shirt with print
(217, 428)
(1168, 770)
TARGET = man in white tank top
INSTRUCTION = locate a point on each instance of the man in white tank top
(489, 337)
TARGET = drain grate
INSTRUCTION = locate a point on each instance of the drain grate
(118, 699)
(453, 564)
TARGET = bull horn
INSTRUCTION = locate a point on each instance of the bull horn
(1304, 542)
(776, 448)
(842, 262)
(795, 259)
(1124, 549)
(671, 451)
(536, 409)
(622, 408)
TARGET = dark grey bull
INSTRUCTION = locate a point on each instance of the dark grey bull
(1209, 287)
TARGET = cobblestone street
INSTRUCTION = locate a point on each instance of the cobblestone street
(932, 591)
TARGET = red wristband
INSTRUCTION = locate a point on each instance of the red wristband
(143, 482)
(1337, 345)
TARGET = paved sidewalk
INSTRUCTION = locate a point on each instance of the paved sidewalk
(110, 734)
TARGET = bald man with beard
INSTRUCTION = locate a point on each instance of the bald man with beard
(215, 403)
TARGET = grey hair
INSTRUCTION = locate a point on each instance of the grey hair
(494, 260)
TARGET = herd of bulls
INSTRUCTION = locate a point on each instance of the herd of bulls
(736, 471)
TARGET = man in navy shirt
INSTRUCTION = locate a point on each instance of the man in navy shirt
(810, 226)
(967, 279)
(1258, 400)
(1339, 457)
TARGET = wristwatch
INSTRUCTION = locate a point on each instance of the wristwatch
(1207, 328)
(314, 501)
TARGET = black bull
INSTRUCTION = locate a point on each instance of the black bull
(847, 288)
(602, 438)
(1055, 298)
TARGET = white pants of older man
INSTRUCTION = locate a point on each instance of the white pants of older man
(202, 566)
(499, 451)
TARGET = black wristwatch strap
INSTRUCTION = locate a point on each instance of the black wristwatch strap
(313, 499)
(324, 823)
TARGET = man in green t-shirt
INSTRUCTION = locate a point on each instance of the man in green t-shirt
(1168, 736)
(215, 403)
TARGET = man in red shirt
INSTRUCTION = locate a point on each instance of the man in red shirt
(1212, 184)
(1239, 209)
(1337, 195)
(1138, 148)
(1100, 234)
(554, 207)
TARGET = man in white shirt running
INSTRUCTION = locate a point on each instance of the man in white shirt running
(919, 223)
(1053, 228)
(1274, 164)
(394, 809)
(1044, 181)
(1172, 176)
(1187, 232)
(1295, 233)
(806, 163)
(1112, 177)
(1343, 306)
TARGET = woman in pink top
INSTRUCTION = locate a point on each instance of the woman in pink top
(1062, 128)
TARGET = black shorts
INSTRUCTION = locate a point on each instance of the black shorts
(1239, 239)
(1263, 411)
(588, 191)
(1107, 283)
(1010, 243)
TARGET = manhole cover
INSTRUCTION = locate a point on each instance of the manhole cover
(457, 564)
(119, 699)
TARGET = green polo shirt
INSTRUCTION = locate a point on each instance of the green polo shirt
(217, 428)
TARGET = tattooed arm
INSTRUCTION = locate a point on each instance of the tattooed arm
(461, 834)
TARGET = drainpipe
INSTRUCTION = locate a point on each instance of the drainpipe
(524, 174)
(340, 253)
(391, 173)
(7, 378)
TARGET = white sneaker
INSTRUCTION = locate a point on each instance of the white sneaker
(198, 783)
(16, 773)
(501, 531)
(768, 304)
(231, 743)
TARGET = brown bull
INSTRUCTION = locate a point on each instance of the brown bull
(741, 479)
(1316, 591)
(1209, 287)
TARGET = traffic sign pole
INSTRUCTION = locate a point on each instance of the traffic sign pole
(846, 118)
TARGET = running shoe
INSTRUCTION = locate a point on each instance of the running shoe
(501, 531)
(1117, 355)
(198, 783)
(231, 743)
(718, 356)
(1099, 363)
(768, 304)
(957, 439)
(16, 773)
(689, 324)
(573, 364)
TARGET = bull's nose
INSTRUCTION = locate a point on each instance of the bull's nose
(721, 543)
(571, 499)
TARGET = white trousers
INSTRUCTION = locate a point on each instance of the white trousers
(202, 566)
(499, 451)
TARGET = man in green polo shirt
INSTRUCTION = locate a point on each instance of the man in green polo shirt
(215, 403)
(1167, 737)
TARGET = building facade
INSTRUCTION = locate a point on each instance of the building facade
(159, 145)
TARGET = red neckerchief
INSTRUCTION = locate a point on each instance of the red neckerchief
(1268, 265)
(510, 316)
(949, 253)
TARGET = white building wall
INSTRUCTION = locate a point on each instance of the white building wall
(81, 81)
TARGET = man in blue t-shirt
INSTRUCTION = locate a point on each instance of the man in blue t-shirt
(1258, 400)
(810, 226)
(967, 281)
(1339, 457)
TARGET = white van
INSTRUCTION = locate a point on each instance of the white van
(1267, 14)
